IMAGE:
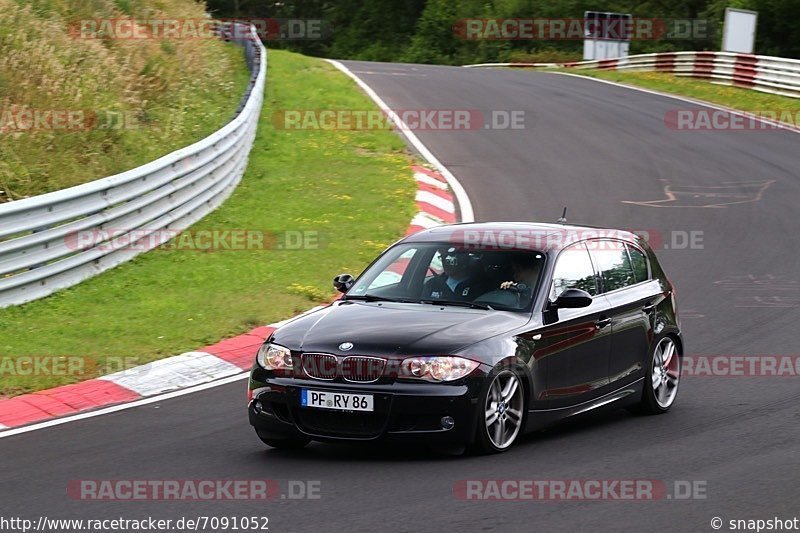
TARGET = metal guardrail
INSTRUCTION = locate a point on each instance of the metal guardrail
(39, 250)
(775, 75)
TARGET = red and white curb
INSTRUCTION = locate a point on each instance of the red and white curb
(460, 195)
(434, 201)
(222, 362)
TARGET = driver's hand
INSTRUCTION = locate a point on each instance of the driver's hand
(507, 285)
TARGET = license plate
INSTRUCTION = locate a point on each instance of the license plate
(336, 400)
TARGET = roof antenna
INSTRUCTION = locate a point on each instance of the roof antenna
(563, 219)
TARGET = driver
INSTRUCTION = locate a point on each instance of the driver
(526, 273)
(455, 282)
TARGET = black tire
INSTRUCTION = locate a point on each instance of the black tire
(484, 443)
(654, 400)
(291, 443)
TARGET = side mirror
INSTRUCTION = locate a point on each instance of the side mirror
(343, 282)
(573, 299)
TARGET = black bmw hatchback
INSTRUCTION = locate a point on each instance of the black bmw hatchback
(472, 334)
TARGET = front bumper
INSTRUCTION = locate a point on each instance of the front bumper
(402, 410)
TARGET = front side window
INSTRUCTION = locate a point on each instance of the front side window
(613, 263)
(573, 270)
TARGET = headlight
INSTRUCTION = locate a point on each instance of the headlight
(274, 357)
(437, 369)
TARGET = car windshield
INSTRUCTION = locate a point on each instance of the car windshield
(452, 275)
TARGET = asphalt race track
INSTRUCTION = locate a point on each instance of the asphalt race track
(592, 147)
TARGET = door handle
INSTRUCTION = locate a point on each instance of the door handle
(602, 322)
(648, 308)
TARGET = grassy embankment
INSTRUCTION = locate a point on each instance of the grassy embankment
(136, 99)
(354, 188)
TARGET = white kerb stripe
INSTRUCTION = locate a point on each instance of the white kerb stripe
(424, 220)
(430, 180)
(172, 373)
(436, 201)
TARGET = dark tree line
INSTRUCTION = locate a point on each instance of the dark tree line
(422, 31)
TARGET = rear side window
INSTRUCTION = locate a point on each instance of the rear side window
(574, 270)
(614, 264)
(639, 264)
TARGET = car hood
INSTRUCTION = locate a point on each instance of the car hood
(394, 329)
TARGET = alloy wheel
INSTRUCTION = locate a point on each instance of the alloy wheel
(503, 409)
(666, 372)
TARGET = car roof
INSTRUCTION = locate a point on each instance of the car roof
(518, 235)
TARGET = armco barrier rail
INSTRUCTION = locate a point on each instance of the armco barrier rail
(767, 74)
(39, 250)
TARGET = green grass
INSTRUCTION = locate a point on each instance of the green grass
(353, 187)
(733, 97)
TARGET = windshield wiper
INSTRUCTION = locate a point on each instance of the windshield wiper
(471, 305)
(374, 298)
